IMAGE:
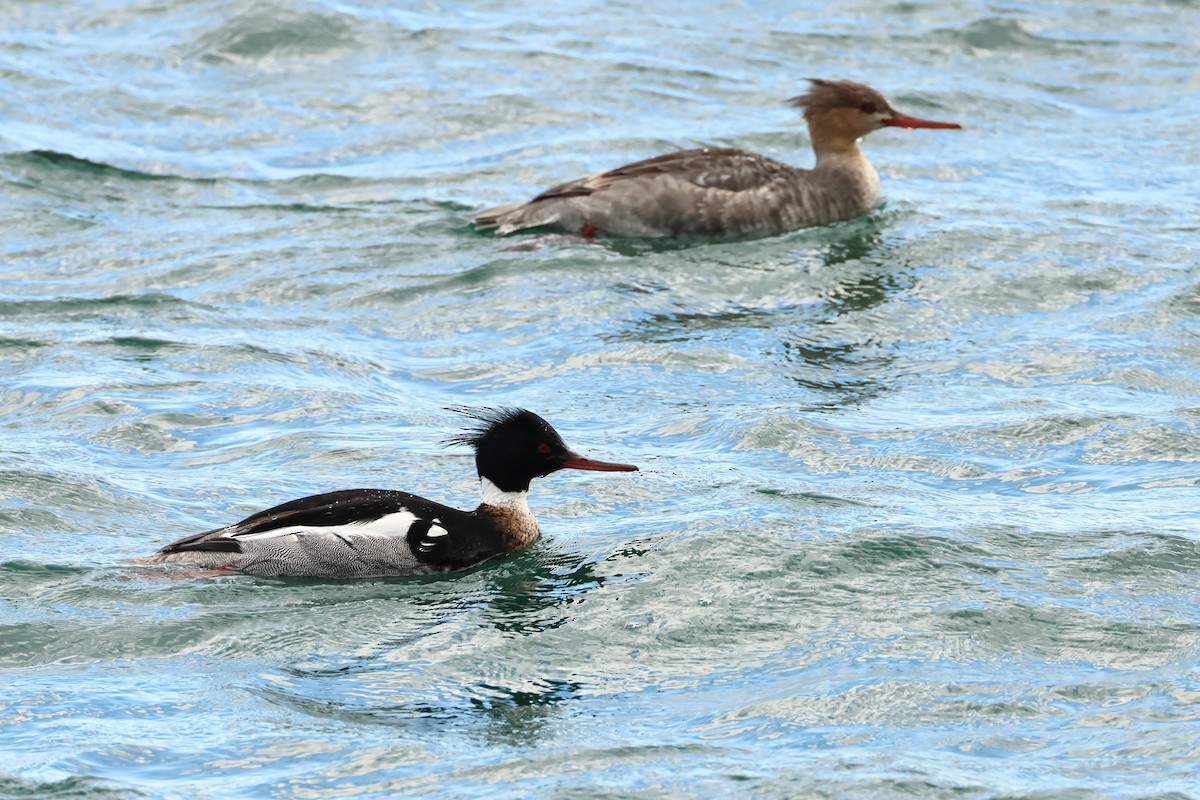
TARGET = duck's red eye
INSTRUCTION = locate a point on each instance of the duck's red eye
(544, 449)
(868, 108)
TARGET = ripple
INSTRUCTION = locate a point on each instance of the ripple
(276, 33)
(996, 33)
(917, 511)
(83, 307)
(48, 162)
(80, 787)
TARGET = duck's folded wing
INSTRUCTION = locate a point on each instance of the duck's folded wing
(711, 192)
(724, 168)
(358, 531)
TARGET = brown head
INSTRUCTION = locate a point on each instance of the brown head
(845, 111)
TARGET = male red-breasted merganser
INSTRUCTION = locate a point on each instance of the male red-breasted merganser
(365, 533)
(724, 193)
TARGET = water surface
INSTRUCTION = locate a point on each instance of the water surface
(916, 514)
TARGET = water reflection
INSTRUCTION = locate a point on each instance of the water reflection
(381, 692)
(519, 716)
(407, 682)
(840, 374)
(522, 594)
(533, 594)
(828, 345)
(856, 370)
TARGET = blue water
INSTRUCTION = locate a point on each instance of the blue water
(917, 515)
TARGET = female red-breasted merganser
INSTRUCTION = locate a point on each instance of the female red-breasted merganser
(365, 533)
(723, 193)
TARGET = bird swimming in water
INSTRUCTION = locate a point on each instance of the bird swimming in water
(367, 533)
(723, 192)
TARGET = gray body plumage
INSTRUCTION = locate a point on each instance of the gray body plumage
(311, 554)
(713, 193)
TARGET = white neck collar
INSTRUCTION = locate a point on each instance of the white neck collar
(493, 495)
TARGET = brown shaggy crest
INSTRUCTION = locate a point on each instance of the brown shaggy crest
(825, 95)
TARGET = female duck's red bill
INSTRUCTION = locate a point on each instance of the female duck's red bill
(899, 120)
(576, 461)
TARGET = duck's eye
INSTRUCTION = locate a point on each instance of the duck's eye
(868, 108)
(544, 449)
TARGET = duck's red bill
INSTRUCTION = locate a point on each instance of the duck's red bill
(899, 120)
(579, 462)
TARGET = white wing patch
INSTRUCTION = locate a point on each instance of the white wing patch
(391, 525)
(435, 530)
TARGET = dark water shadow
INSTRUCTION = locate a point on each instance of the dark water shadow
(839, 372)
(538, 578)
(49, 162)
(522, 596)
(847, 372)
(533, 594)
(75, 787)
(517, 717)
(496, 714)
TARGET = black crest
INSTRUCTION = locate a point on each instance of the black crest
(496, 421)
(512, 446)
